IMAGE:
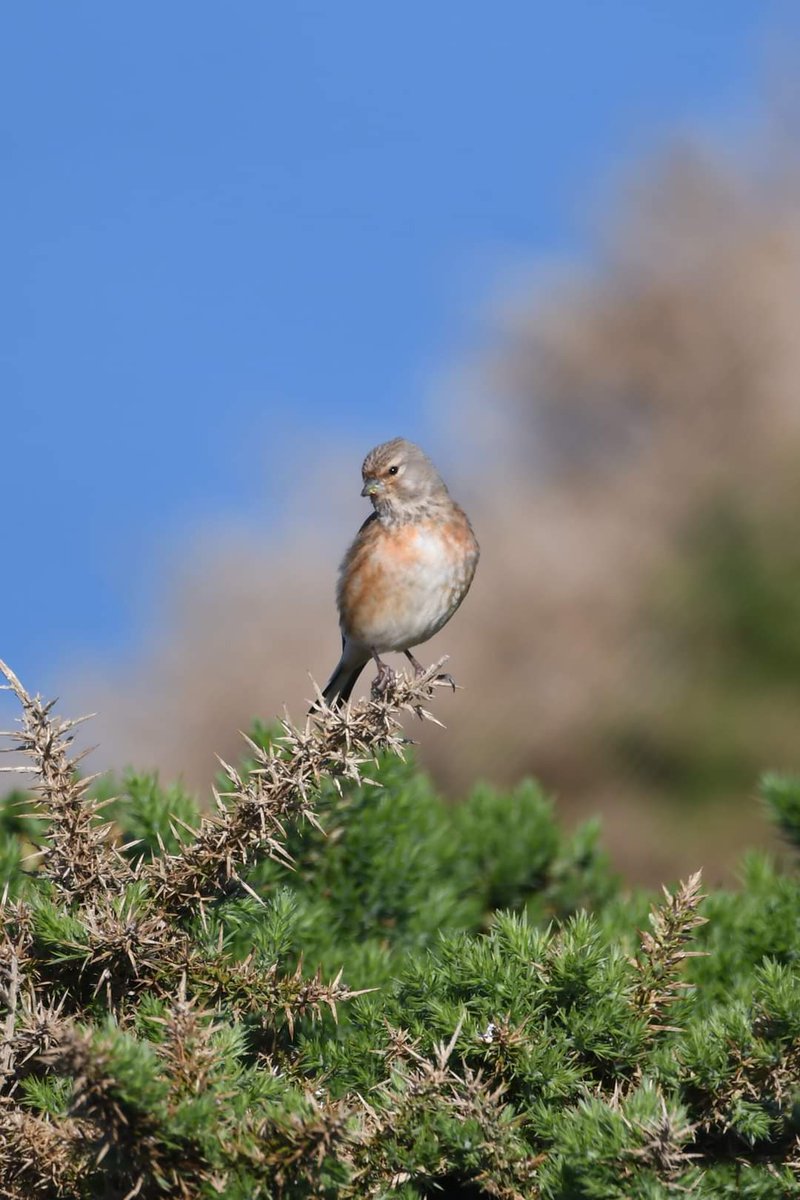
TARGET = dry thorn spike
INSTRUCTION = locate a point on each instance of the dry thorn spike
(11, 999)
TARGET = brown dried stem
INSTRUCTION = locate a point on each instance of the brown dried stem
(663, 951)
(10, 996)
(252, 815)
(40, 1157)
(78, 856)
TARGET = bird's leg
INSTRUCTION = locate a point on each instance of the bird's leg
(418, 667)
(420, 670)
(384, 677)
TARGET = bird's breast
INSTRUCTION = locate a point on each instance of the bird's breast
(399, 585)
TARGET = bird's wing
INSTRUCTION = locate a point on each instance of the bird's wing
(352, 550)
(373, 516)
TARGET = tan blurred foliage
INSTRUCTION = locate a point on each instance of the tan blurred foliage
(627, 399)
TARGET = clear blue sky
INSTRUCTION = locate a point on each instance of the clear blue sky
(218, 214)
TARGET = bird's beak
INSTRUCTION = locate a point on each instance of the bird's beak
(371, 487)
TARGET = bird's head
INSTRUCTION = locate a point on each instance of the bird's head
(399, 478)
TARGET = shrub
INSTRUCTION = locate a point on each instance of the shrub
(335, 985)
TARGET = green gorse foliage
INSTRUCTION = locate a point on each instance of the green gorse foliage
(335, 985)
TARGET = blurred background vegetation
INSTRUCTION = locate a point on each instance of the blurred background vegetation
(631, 467)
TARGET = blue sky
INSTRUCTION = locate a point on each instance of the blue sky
(223, 220)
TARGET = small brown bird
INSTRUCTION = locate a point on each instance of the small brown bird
(407, 571)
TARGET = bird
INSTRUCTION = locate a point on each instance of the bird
(408, 569)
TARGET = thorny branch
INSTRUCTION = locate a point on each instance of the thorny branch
(251, 818)
(10, 998)
(78, 855)
(129, 931)
(252, 814)
(664, 949)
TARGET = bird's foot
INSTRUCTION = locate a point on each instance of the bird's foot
(443, 678)
(383, 680)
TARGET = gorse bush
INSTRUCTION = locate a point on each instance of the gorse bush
(334, 985)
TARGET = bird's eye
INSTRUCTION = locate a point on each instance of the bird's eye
(393, 470)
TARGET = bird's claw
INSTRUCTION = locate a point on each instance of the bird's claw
(446, 679)
(382, 681)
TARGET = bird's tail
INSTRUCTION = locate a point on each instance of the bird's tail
(341, 683)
